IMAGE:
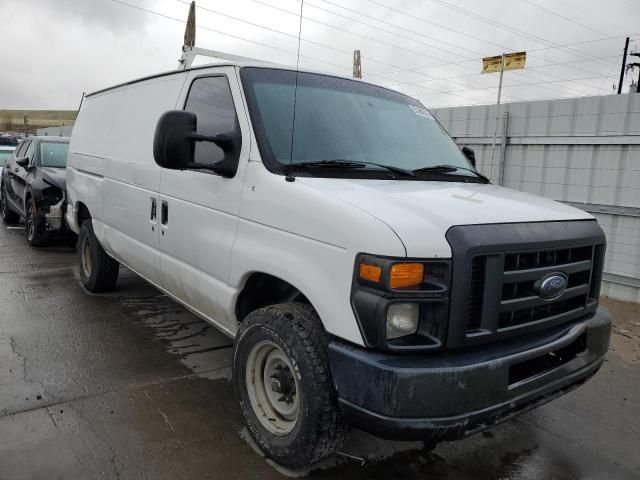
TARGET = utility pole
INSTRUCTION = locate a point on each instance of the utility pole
(624, 63)
(495, 132)
(501, 63)
(357, 64)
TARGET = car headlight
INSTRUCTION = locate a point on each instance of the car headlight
(401, 304)
(402, 319)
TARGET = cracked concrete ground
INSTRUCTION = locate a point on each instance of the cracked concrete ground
(130, 385)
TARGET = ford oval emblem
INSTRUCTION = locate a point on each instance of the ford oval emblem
(551, 285)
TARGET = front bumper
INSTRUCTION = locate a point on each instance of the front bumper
(451, 395)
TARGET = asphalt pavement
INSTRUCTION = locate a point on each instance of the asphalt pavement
(131, 385)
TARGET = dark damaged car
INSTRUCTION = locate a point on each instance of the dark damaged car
(33, 186)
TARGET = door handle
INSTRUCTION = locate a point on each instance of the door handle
(154, 214)
(164, 213)
(154, 210)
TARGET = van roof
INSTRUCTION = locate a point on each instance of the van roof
(226, 63)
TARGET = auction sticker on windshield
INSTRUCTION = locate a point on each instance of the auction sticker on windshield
(421, 112)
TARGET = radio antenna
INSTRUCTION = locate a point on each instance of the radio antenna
(289, 177)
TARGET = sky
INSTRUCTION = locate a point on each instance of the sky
(54, 50)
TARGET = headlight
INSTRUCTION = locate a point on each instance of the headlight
(402, 319)
(401, 304)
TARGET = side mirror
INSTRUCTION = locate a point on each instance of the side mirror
(174, 144)
(23, 161)
(470, 154)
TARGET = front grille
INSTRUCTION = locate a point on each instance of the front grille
(520, 304)
(476, 289)
(517, 303)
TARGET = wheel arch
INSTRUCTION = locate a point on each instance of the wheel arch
(261, 289)
(82, 213)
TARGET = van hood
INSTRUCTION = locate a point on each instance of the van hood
(55, 176)
(421, 212)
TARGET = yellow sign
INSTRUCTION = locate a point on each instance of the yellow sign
(512, 61)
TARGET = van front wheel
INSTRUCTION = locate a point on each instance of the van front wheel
(283, 382)
(98, 271)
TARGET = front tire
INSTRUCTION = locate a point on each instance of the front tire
(35, 228)
(9, 217)
(98, 271)
(283, 382)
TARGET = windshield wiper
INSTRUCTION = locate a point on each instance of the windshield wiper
(450, 169)
(342, 163)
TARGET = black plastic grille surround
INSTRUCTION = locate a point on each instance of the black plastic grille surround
(495, 268)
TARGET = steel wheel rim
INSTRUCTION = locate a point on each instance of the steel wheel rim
(85, 256)
(273, 388)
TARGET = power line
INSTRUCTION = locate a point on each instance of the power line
(529, 51)
(417, 33)
(546, 65)
(332, 26)
(520, 84)
(502, 26)
(262, 44)
(367, 37)
(471, 36)
(381, 62)
(364, 15)
(237, 37)
(402, 28)
(264, 27)
(541, 84)
(569, 19)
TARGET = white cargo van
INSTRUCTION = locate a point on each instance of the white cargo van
(369, 275)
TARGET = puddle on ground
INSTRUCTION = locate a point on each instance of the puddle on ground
(198, 345)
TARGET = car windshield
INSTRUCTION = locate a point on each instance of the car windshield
(341, 119)
(4, 156)
(53, 154)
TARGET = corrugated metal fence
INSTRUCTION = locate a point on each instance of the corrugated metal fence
(582, 151)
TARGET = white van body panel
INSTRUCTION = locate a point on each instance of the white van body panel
(116, 143)
(309, 239)
(422, 212)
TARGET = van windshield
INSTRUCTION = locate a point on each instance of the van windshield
(344, 120)
(53, 154)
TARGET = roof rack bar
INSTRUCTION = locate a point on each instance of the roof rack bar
(190, 53)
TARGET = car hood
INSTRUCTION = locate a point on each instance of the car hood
(421, 212)
(55, 176)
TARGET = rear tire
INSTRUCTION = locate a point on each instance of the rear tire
(283, 382)
(35, 228)
(8, 216)
(98, 271)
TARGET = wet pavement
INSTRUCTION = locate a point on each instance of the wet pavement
(131, 385)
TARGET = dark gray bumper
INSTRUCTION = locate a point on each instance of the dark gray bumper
(452, 395)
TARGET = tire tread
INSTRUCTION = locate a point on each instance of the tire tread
(104, 274)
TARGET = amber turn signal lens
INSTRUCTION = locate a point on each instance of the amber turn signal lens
(371, 273)
(406, 275)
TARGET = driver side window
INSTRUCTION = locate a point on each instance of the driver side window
(210, 99)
